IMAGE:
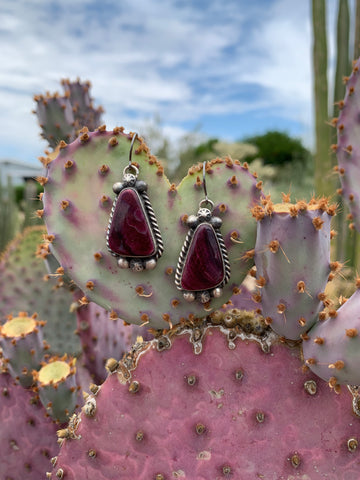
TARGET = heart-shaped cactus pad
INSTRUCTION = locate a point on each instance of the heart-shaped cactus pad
(78, 201)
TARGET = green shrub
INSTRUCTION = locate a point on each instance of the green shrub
(278, 148)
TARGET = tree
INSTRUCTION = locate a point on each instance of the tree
(277, 148)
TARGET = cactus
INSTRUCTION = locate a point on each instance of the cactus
(57, 387)
(202, 402)
(27, 436)
(77, 218)
(292, 258)
(347, 147)
(102, 338)
(322, 132)
(332, 347)
(82, 104)
(21, 340)
(25, 285)
(60, 117)
(56, 118)
(9, 215)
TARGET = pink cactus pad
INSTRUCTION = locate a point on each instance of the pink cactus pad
(348, 146)
(102, 338)
(292, 258)
(332, 349)
(241, 408)
(27, 436)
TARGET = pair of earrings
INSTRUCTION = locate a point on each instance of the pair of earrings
(134, 237)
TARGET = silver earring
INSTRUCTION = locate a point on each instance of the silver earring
(203, 267)
(133, 234)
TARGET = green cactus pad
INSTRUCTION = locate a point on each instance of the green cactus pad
(21, 340)
(77, 204)
(57, 387)
(23, 288)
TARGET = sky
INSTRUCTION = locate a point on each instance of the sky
(226, 69)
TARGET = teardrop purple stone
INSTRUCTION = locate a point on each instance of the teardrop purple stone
(130, 234)
(204, 267)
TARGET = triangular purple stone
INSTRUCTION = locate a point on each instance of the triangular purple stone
(130, 234)
(204, 267)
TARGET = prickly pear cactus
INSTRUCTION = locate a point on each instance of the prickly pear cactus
(56, 118)
(57, 388)
(332, 347)
(62, 116)
(26, 286)
(23, 347)
(82, 104)
(78, 200)
(103, 338)
(292, 258)
(207, 401)
(348, 146)
(27, 436)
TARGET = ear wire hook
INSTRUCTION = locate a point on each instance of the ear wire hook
(135, 136)
(204, 182)
(205, 201)
(131, 169)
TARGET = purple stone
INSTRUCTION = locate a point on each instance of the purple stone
(130, 233)
(204, 267)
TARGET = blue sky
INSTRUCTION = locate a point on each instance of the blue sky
(227, 68)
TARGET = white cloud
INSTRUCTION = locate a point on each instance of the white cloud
(181, 60)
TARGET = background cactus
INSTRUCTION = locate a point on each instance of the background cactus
(27, 436)
(25, 285)
(61, 117)
(332, 347)
(347, 147)
(23, 347)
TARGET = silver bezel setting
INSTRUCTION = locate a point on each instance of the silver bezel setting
(137, 263)
(204, 296)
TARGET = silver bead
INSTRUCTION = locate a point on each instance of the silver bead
(136, 266)
(192, 221)
(216, 222)
(189, 297)
(129, 179)
(204, 213)
(217, 292)
(205, 297)
(150, 264)
(117, 187)
(123, 263)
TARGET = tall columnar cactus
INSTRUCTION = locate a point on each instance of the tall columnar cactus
(348, 146)
(78, 200)
(25, 285)
(211, 402)
(322, 131)
(292, 258)
(61, 117)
